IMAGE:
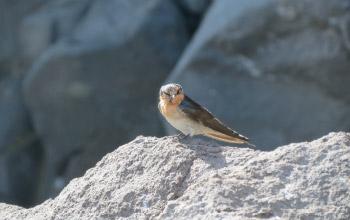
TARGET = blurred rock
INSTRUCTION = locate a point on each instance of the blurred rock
(196, 6)
(276, 71)
(54, 21)
(15, 125)
(193, 11)
(29, 27)
(11, 16)
(98, 85)
(162, 178)
(20, 151)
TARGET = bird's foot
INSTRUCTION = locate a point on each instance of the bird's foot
(182, 136)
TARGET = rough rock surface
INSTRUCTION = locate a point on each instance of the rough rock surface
(275, 70)
(168, 178)
(97, 85)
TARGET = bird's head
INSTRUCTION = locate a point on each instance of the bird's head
(171, 93)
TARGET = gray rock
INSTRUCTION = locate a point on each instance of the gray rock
(276, 71)
(29, 27)
(194, 11)
(15, 125)
(198, 7)
(162, 178)
(12, 14)
(49, 24)
(20, 151)
(97, 85)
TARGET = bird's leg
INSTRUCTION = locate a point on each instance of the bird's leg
(186, 136)
(179, 135)
(182, 136)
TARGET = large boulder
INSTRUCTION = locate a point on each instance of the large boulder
(20, 151)
(276, 71)
(97, 85)
(165, 178)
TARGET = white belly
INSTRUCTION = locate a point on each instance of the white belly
(184, 124)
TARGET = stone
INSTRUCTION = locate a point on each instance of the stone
(97, 85)
(12, 14)
(167, 178)
(194, 11)
(49, 24)
(275, 71)
(198, 7)
(20, 150)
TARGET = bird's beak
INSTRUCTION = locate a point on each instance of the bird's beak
(172, 97)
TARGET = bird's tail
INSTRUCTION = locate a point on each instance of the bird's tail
(237, 139)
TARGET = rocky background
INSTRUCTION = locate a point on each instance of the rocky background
(78, 78)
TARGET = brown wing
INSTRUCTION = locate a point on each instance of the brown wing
(200, 114)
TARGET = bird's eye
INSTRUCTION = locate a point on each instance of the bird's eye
(166, 93)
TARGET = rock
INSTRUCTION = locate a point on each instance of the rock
(15, 127)
(194, 11)
(8, 211)
(11, 15)
(21, 177)
(28, 28)
(48, 25)
(198, 7)
(276, 71)
(165, 179)
(97, 86)
(20, 151)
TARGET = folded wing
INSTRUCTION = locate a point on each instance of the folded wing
(219, 131)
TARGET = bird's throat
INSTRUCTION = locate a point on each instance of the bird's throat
(177, 99)
(167, 108)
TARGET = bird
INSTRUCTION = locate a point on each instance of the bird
(190, 118)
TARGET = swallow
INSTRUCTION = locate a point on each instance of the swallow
(190, 118)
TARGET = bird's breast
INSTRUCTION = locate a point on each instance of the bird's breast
(179, 119)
